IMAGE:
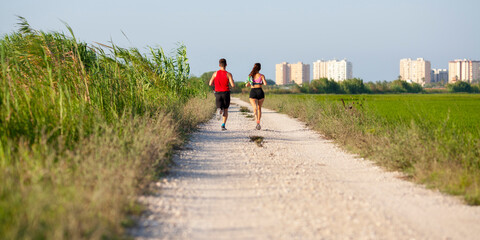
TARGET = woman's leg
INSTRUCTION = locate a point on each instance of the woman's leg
(253, 101)
(260, 103)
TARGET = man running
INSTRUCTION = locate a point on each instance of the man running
(221, 78)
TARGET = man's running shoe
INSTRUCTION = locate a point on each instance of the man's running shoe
(219, 114)
(258, 127)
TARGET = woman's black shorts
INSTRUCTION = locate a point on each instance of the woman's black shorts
(222, 99)
(257, 93)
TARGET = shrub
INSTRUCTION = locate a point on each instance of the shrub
(353, 86)
(460, 86)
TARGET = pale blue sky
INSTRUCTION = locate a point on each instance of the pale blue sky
(373, 34)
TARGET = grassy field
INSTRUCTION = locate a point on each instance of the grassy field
(459, 111)
(84, 130)
(433, 138)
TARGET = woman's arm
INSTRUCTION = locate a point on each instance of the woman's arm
(263, 79)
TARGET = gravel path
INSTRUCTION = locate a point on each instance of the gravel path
(297, 186)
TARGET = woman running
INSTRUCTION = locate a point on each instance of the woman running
(257, 96)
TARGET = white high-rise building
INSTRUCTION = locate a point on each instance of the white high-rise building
(286, 73)
(463, 70)
(417, 71)
(320, 69)
(337, 70)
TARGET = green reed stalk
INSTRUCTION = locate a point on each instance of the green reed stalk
(84, 129)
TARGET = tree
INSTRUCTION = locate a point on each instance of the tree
(416, 88)
(206, 76)
(460, 86)
(353, 86)
(270, 82)
(325, 85)
(400, 86)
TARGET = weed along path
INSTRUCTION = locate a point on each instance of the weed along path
(292, 184)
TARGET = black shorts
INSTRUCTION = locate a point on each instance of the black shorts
(257, 93)
(222, 99)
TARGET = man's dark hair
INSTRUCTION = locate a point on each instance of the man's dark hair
(222, 62)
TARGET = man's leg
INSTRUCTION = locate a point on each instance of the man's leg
(225, 115)
(218, 103)
(225, 105)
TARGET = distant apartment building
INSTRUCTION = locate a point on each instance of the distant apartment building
(337, 70)
(417, 71)
(300, 73)
(463, 70)
(286, 73)
(282, 73)
(320, 69)
(439, 75)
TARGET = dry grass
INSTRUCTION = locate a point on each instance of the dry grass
(257, 140)
(244, 109)
(92, 191)
(246, 112)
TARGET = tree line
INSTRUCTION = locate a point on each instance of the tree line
(353, 86)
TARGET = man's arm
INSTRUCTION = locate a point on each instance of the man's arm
(230, 79)
(211, 79)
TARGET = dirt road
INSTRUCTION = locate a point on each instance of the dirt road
(297, 186)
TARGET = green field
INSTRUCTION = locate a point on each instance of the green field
(433, 138)
(458, 111)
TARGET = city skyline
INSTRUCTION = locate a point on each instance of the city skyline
(411, 70)
(372, 34)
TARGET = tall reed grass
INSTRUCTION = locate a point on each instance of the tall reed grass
(83, 129)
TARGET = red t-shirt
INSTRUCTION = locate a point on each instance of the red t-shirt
(221, 81)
